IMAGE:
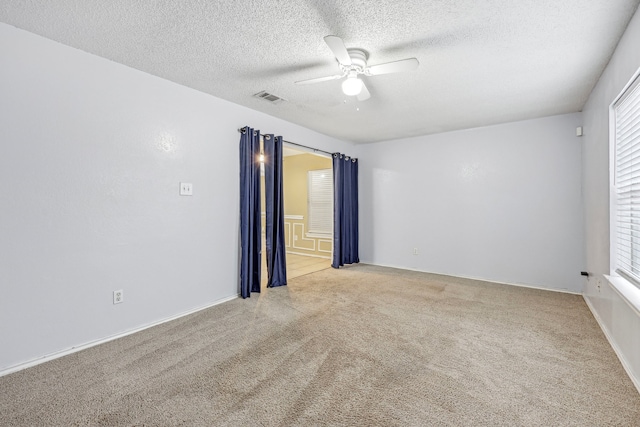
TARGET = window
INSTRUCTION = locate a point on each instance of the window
(320, 201)
(626, 197)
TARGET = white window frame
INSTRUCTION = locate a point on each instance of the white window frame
(315, 226)
(624, 181)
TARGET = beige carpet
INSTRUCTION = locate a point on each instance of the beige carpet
(364, 345)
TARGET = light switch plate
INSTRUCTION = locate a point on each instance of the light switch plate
(186, 189)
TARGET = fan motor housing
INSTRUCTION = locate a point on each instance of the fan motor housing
(358, 59)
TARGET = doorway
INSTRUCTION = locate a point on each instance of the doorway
(308, 208)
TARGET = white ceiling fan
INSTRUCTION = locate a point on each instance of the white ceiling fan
(353, 62)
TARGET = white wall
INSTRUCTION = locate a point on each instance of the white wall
(92, 154)
(619, 321)
(499, 203)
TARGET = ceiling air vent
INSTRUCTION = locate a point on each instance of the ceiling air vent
(269, 97)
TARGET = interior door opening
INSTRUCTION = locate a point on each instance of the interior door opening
(308, 208)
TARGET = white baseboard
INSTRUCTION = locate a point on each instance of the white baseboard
(616, 349)
(58, 354)
(520, 285)
(309, 255)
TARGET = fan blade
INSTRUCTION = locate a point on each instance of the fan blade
(338, 48)
(392, 67)
(320, 79)
(364, 93)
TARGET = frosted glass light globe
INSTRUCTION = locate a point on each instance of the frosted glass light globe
(352, 86)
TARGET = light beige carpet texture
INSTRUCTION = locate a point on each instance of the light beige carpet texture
(359, 346)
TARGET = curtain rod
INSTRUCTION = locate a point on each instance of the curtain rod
(315, 150)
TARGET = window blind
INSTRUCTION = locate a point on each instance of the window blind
(627, 182)
(320, 201)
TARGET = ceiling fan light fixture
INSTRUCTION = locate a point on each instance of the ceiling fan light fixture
(352, 86)
(353, 62)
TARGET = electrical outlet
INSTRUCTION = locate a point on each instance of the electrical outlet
(415, 251)
(118, 296)
(186, 189)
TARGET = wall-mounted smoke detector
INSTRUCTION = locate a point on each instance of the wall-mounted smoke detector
(269, 97)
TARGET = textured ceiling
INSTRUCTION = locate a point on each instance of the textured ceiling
(481, 62)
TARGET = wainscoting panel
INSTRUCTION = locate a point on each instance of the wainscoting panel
(325, 246)
(299, 242)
